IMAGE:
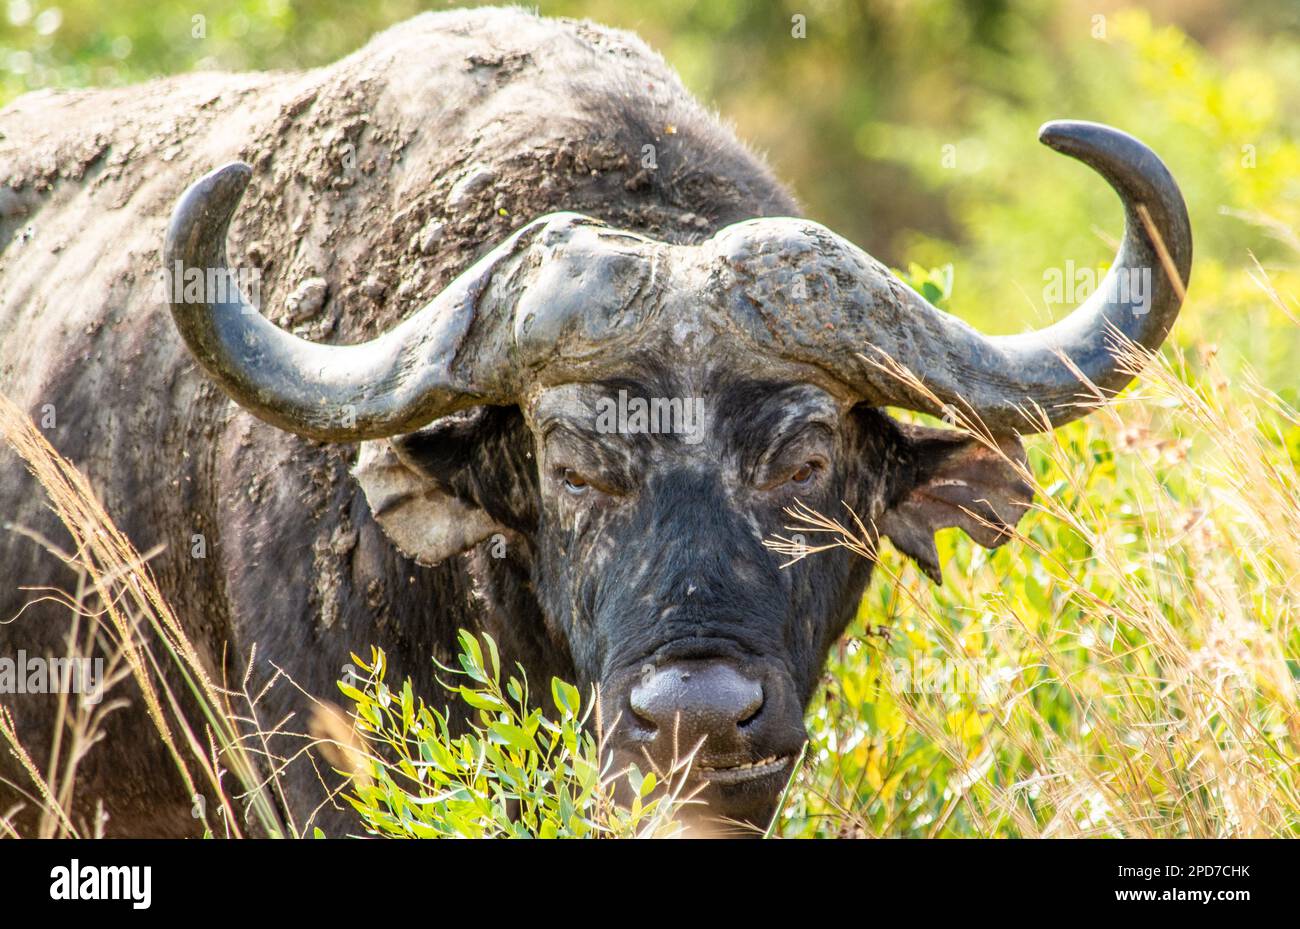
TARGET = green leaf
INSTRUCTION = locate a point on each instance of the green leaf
(567, 699)
(482, 700)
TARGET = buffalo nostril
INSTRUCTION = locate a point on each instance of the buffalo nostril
(643, 720)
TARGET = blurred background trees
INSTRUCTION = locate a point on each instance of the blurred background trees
(907, 126)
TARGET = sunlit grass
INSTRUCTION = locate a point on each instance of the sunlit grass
(117, 602)
(1125, 667)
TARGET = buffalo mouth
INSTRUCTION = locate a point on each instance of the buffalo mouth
(735, 800)
(745, 772)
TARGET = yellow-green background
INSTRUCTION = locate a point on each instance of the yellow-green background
(1143, 633)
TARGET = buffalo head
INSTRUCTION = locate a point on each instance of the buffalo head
(636, 416)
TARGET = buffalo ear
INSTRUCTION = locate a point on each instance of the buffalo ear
(950, 479)
(449, 486)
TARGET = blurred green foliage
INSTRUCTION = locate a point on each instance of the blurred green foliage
(908, 127)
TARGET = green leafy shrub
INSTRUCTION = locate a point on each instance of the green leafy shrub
(517, 772)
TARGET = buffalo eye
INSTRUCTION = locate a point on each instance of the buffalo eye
(575, 483)
(803, 476)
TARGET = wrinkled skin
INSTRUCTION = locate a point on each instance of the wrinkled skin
(659, 558)
(646, 550)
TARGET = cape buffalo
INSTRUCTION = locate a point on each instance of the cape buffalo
(546, 353)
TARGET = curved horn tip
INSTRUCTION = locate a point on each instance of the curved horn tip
(239, 171)
(220, 189)
(1066, 134)
(225, 183)
(204, 210)
(1054, 128)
